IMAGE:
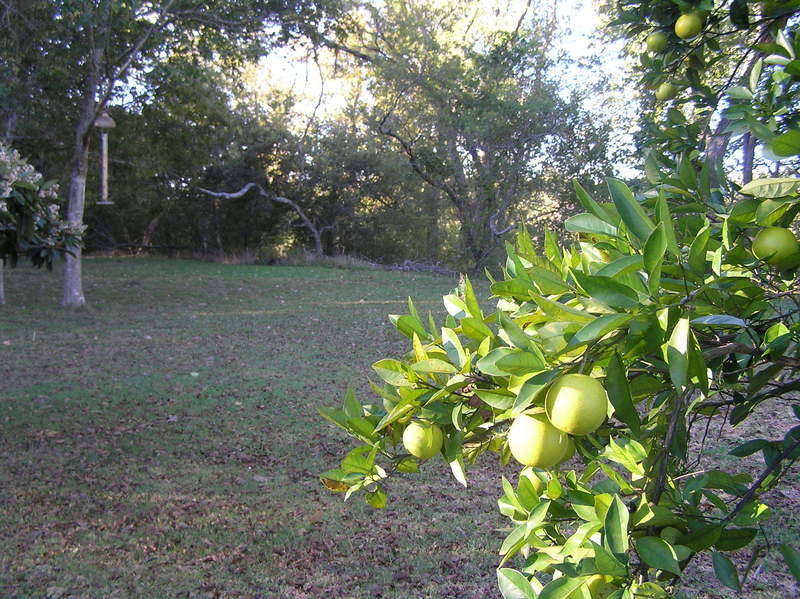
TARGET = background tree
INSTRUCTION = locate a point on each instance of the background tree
(474, 108)
(92, 48)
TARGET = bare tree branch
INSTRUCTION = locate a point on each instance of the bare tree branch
(315, 231)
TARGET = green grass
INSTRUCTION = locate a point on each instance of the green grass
(165, 442)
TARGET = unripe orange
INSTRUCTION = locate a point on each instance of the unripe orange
(666, 91)
(576, 404)
(689, 25)
(533, 441)
(656, 41)
(423, 439)
(777, 246)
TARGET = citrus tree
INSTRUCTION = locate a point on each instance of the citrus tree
(670, 311)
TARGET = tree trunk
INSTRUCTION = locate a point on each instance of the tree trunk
(147, 237)
(748, 152)
(2, 283)
(73, 280)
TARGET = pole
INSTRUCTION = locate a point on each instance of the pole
(104, 167)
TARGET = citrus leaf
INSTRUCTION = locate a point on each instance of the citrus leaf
(561, 588)
(619, 394)
(615, 538)
(678, 354)
(792, 558)
(657, 553)
(787, 144)
(514, 584)
(589, 204)
(597, 329)
(654, 248)
(559, 312)
(632, 213)
(725, 571)
(772, 187)
(589, 223)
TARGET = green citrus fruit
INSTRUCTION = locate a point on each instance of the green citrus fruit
(422, 439)
(569, 450)
(776, 246)
(533, 441)
(576, 404)
(689, 25)
(656, 41)
(666, 91)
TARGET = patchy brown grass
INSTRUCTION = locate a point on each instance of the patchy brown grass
(165, 443)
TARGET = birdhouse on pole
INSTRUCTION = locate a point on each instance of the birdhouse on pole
(104, 122)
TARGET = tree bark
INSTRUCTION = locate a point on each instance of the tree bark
(147, 237)
(748, 151)
(73, 279)
(2, 283)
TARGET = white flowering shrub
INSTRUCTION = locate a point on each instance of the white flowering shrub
(30, 223)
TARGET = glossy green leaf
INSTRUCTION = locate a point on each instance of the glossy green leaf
(475, 328)
(621, 266)
(697, 252)
(732, 539)
(607, 563)
(608, 291)
(408, 325)
(452, 345)
(619, 393)
(615, 527)
(519, 362)
(654, 248)
(455, 306)
(562, 588)
(393, 372)
(589, 204)
(376, 498)
(589, 223)
(496, 398)
(561, 312)
(792, 558)
(514, 584)
(632, 213)
(725, 571)
(434, 366)
(351, 407)
(772, 187)
(657, 553)
(787, 144)
(597, 329)
(471, 301)
(678, 354)
(488, 363)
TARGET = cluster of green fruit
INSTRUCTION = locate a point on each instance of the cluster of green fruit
(687, 27)
(576, 404)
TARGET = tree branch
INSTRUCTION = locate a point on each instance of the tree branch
(751, 492)
(315, 231)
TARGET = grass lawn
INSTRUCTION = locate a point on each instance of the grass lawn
(165, 442)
